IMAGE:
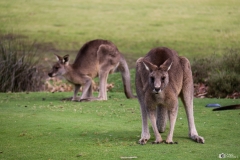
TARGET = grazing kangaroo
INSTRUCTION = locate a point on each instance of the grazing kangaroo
(95, 58)
(162, 76)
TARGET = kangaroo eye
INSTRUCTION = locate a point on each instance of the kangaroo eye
(56, 68)
(163, 78)
(152, 79)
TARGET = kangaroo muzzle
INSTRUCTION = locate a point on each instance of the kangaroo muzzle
(157, 90)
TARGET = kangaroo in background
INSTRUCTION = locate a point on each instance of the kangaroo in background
(162, 76)
(95, 58)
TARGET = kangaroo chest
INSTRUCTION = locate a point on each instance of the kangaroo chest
(162, 98)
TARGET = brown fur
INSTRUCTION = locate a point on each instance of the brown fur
(162, 76)
(95, 58)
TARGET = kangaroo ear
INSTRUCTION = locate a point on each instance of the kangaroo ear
(59, 58)
(149, 66)
(166, 65)
(65, 59)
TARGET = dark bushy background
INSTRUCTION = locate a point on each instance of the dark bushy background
(220, 73)
(19, 64)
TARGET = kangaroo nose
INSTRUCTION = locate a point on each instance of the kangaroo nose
(50, 74)
(157, 89)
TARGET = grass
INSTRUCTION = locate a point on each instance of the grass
(40, 126)
(193, 28)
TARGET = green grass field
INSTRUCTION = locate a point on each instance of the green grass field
(40, 126)
(194, 28)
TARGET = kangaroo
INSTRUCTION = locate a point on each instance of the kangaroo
(95, 58)
(161, 77)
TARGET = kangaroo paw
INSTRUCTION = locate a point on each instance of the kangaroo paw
(91, 99)
(166, 142)
(143, 141)
(198, 139)
(157, 142)
(84, 100)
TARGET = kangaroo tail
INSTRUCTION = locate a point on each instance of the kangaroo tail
(123, 68)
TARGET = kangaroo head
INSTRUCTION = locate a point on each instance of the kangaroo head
(158, 75)
(58, 68)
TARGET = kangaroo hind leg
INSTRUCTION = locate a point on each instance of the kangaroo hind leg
(103, 75)
(108, 57)
(172, 113)
(187, 98)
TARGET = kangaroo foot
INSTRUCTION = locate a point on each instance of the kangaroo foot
(84, 100)
(198, 139)
(157, 142)
(90, 99)
(166, 142)
(143, 141)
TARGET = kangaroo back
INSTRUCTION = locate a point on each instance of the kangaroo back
(95, 58)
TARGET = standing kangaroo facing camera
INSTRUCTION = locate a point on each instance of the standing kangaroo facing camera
(95, 58)
(161, 77)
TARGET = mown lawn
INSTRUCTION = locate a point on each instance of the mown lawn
(40, 126)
